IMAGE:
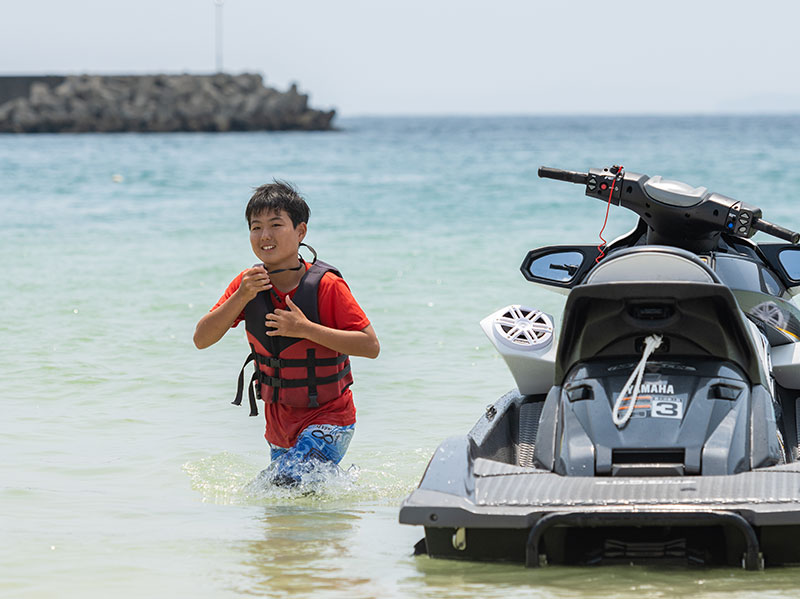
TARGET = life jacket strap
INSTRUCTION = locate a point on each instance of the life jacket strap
(271, 362)
(311, 368)
(253, 387)
(279, 383)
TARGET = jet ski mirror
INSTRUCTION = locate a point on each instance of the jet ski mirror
(558, 266)
(789, 259)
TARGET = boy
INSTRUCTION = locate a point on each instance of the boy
(302, 322)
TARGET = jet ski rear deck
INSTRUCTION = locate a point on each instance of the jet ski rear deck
(498, 510)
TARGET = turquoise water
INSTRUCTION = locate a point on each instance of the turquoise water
(125, 469)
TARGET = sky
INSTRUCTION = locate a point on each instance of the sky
(437, 57)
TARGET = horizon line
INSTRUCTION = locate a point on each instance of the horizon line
(655, 114)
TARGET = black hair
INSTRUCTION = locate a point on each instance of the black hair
(278, 196)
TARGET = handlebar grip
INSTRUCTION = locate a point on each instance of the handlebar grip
(776, 231)
(545, 172)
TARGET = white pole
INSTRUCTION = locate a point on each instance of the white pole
(218, 37)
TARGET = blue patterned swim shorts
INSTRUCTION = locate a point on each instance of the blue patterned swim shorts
(319, 446)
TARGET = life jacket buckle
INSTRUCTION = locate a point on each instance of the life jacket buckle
(271, 381)
(270, 361)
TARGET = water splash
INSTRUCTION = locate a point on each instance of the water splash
(316, 480)
(220, 478)
(230, 479)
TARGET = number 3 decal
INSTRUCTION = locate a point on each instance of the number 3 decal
(666, 408)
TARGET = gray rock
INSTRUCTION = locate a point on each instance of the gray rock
(219, 102)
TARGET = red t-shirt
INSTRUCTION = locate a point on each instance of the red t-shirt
(338, 309)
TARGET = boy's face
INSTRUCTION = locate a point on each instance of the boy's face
(275, 239)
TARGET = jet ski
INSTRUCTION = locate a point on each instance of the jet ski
(661, 421)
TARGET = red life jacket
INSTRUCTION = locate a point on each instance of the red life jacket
(295, 372)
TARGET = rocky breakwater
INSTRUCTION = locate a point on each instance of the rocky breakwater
(160, 103)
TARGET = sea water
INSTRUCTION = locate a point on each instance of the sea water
(125, 471)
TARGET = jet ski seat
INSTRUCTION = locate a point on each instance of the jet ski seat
(652, 263)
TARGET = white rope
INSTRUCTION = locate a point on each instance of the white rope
(651, 343)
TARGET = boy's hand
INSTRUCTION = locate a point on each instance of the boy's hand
(254, 280)
(287, 323)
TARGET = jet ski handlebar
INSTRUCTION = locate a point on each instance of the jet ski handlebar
(546, 172)
(776, 231)
(676, 213)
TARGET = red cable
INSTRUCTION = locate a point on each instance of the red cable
(600, 247)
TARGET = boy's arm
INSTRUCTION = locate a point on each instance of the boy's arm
(212, 326)
(293, 323)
